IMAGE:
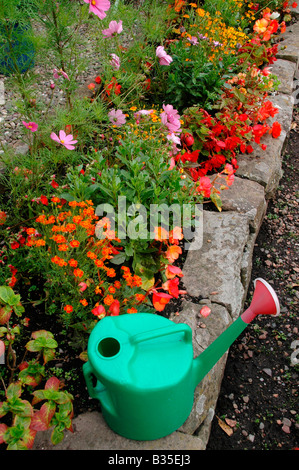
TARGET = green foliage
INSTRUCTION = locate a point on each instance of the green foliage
(26, 420)
(192, 79)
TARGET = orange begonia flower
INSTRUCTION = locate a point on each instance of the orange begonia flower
(161, 234)
(172, 271)
(160, 300)
(260, 26)
(175, 235)
(173, 252)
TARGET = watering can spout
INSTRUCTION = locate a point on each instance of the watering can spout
(264, 301)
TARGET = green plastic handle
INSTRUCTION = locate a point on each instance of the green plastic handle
(160, 332)
(89, 376)
(98, 392)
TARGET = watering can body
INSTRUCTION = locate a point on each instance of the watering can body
(142, 369)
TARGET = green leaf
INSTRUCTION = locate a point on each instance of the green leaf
(14, 390)
(57, 435)
(8, 296)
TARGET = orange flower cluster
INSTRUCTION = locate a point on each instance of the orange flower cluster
(132, 281)
(172, 273)
(71, 240)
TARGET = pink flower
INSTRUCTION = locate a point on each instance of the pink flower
(162, 55)
(114, 28)
(32, 126)
(115, 61)
(171, 118)
(99, 311)
(83, 286)
(117, 117)
(66, 140)
(98, 7)
(205, 311)
(57, 73)
(193, 40)
(204, 186)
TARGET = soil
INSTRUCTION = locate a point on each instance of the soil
(258, 402)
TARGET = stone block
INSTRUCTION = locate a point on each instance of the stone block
(265, 166)
(246, 197)
(285, 71)
(213, 271)
(92, 433)
(289, 45)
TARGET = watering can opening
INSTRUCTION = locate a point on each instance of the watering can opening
(109, 347)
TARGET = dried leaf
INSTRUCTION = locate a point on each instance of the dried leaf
(227, 429)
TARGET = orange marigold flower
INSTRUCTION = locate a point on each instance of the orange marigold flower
(40, 242)
(55, 199)
(117, 284)
(78, 272)
(59, 238)
(63, 247)
(73, 203)
(132, 310)
(112, 289)
(137, 281)
(68, 308)
(111, 272)
(91, 255)
(77, 219)
(73, 263)
(140, 297)
(99, 290)
(70, 227)
(108, 299)
(59, 261)
(83, 302)
(51, 220)
(30, 231)
(99, 263)
(74, 243)
(41, 219)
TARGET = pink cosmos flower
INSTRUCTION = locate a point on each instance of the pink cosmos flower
(174, 138)
(193, 40)
(114, 28)
(117, 117)
(98, 7)
(32, 126)
(171, 118)
(162, 55)
(66, 140)
(115, 61)
(57, 73)
(142, 112)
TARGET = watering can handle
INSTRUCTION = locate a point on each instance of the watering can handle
(88, 374)
(165, 331)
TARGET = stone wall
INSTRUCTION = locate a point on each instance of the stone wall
(220, 270)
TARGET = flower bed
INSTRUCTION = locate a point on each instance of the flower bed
(161, 125)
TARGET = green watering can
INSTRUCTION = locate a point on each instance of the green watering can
(141, 367)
